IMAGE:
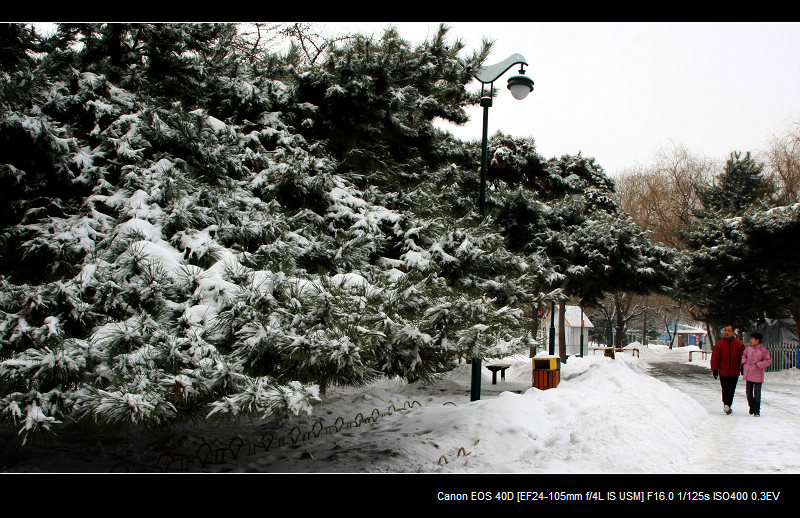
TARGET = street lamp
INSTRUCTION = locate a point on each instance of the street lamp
(581, 328)
(520, 86)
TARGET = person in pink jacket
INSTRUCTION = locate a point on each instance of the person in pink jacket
(755, 361)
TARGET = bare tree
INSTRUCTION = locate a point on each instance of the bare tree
(782, 160)
(662, 198)
(672, 313)
(614, 314)
(670, 317)
(649, 315)
(602, 316)
(257, 38)
(302, 43)
(562, 332)
(628, 306)
(309, 44)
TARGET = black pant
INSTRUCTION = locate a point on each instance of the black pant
(728, 388)
(753, 396)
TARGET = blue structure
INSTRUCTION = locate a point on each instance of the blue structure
(686, 335)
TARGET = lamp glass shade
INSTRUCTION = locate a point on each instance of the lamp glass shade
(519, 91)
(520, 86)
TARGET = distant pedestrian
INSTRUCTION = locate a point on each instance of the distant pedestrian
(726, 362)
(755, 361)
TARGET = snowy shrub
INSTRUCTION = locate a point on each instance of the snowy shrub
(187, 280)
(205, 254)
(35, 422)
(185, 213)
(61, 366)
(149, 288)
(138, 403)
(262, 396)
(34, 412)
(119, 338)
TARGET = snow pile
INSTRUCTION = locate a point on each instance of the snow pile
(605, 416)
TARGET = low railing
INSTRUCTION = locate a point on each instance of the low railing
(783, 355)
(703, 354)
(633, 350)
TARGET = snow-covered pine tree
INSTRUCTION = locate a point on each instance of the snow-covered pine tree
(375, 101)
(187, 236)
(17, 41)
(113, 213)
(167, 243)
(593, 247)
(720, 274)
(775, 267)
(740, 186)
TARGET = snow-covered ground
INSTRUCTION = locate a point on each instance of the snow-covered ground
(625, 415)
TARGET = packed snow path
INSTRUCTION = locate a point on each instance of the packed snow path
(740, 442)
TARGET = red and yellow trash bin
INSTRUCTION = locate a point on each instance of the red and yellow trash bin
(546, 372)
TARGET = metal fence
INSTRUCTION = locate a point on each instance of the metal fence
(784, 356)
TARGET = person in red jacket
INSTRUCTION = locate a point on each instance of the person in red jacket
(726, 362)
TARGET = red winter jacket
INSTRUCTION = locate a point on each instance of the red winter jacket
(727, 357)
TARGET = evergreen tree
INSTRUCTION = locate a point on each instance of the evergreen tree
(593, 247)
(720, 274)
(375, 101)
(174, 247)
(16, 41)
(776, 267)
(184, 236)
(741, 185)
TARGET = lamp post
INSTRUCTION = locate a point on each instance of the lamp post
(552, 340)
(520, 86)
(581, 328)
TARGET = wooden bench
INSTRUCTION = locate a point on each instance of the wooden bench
(498, 367)
(703, 354)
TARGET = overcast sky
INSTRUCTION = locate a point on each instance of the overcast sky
(619, 92)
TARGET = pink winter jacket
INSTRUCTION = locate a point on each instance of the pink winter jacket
(755, 360)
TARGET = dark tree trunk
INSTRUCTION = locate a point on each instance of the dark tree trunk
(562, 335)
